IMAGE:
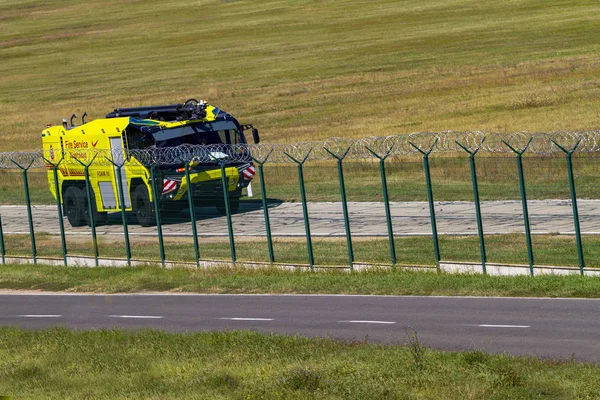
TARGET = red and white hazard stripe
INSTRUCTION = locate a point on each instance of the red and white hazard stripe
(169, 185)
(249, 172)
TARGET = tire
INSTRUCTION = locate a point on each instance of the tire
(73, 206)
(234, 203)
(142, 206)
(100, 218)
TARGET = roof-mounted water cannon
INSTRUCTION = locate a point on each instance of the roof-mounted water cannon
(196, 109)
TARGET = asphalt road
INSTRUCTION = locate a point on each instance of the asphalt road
(326, 219)
(555, 328)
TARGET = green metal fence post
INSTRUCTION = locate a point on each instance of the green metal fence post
(61, 224)
(263, 191)
(2, 249)
(28, 202)
(124, 214)
(436, 246)
(311, 259)
(90, 205)
(519, 154)
(344, 204)
(569, 154)
(192, 213)
(225, 185)
(122, 204)
(472, 154)
(155, 195)
(386, 200)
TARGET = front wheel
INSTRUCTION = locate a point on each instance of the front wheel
(142, 206)
(73, 206)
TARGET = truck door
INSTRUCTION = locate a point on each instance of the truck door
(118, 156)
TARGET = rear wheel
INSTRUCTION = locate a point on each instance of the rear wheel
(73, 206)
(142, 206)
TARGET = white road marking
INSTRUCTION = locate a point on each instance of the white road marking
(503, 326)
(40, 316)
(248, 319)
(137, 316)
(370, 322)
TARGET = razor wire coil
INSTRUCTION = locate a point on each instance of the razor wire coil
(539, 143)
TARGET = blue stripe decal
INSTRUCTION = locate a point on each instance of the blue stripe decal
(135, 121)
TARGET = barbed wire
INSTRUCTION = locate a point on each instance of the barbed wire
(541, 143)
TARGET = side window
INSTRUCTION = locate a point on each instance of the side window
(224, 136)
(230, 137)
(235, 137)
(139, 140)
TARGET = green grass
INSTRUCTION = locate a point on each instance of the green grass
(558, 250)
(305, 70)
(274, 280)
(116, 364)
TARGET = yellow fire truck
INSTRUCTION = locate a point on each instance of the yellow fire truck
(135, 139)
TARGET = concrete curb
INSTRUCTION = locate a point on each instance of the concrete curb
(451, 267)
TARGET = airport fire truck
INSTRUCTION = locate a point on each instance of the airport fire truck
(126, 137)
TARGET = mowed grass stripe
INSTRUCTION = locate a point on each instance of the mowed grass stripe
(556, 250)
(240, 280)
(545, 178)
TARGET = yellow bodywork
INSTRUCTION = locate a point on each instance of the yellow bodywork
(90, 143)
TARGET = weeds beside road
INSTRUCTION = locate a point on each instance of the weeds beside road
(272, 280)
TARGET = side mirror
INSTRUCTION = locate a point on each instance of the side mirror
(255, 136)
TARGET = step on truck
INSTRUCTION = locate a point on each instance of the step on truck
(129, 142)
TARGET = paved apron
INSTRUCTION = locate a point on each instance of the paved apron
(326, 219)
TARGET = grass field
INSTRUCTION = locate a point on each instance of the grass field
(114, 364)
(305, 70)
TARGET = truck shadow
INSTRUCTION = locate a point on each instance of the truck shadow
(201, 213)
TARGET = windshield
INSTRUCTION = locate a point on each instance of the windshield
(204, 138)
(224, 132)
